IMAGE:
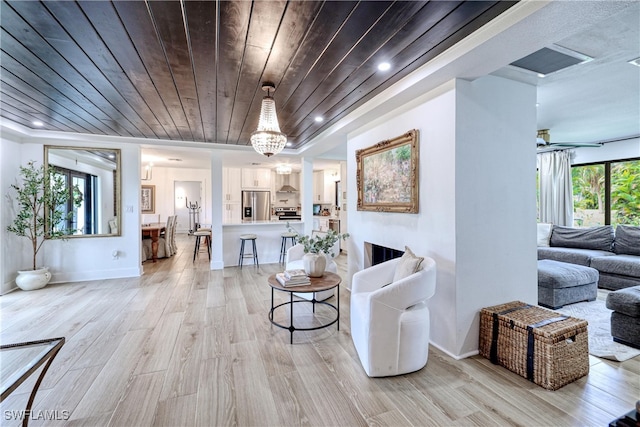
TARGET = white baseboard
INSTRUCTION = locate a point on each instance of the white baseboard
(456, 357)
(83, 276)
(217, 265)
(8, 287)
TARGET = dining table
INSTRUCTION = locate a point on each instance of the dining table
(153, 230)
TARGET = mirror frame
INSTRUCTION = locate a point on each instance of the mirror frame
(117, 184)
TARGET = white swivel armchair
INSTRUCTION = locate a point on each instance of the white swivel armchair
(390, 321)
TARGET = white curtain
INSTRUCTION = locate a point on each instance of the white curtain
(556, 191)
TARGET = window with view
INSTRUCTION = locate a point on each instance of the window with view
(83, 218)
(625, 192)
(606, 193)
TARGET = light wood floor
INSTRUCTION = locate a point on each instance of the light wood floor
(183, 346)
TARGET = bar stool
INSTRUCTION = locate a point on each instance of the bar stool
(200, 233)
(254, 254)
(283, 244)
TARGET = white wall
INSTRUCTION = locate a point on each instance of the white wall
(164, 179)
(477, 201)
(12, 248)
(610, 151)
(496, 258)
(344, 217)
(83, 258)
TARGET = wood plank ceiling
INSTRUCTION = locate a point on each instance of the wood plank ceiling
(193, 70)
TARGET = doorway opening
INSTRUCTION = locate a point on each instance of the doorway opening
(188, 201)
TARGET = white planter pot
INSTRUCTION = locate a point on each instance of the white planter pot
(314, 264)
(30, 280)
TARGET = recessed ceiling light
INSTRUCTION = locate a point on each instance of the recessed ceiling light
(635, 62)
(384, 66)
(319, 119)
(37, 123)
(289, 144)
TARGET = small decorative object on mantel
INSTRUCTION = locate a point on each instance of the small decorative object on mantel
(39, 217)
(315, 250)
(387, 175)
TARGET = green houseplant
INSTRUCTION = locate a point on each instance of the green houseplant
(40, 194)
(318, 243)
(315, 249)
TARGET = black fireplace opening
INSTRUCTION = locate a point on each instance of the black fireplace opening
(380, 254)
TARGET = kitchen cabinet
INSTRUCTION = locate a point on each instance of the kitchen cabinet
(324, 188)
(329, 190)
(274, 187)
(320, 223)
(231, 189)
(231, 194)
(231, 213)
(256, 179)
(318, 186)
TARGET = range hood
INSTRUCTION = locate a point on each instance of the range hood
(286, 187)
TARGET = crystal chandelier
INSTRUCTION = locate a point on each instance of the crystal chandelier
(268, 139)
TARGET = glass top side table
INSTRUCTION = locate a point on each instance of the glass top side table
(20, 360)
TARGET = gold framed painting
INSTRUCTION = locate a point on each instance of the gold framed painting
(148, 199)
(387, 175)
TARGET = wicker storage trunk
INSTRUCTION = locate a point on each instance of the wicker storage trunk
(538, 344)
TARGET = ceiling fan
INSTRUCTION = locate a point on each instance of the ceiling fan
(543, 141)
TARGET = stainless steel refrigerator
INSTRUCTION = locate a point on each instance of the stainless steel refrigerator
(256, 205)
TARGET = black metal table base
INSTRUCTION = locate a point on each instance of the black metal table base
(291, 328)
(45, 358)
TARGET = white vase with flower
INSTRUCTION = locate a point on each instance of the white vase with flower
(316, 250)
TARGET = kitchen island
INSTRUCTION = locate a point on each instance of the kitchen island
(268, 241)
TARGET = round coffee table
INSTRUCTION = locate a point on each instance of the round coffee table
(318, 284)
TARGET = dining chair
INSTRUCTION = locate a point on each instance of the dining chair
(165, 248)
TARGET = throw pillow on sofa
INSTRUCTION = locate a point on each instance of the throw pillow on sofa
(544, 233)
(599, 238)
(627, 240)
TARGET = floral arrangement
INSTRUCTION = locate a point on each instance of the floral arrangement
(317, 244)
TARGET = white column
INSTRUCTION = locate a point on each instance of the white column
(306, 193)
(217, 262)
(495, 201)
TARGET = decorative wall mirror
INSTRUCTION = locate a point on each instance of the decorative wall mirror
(95, 172)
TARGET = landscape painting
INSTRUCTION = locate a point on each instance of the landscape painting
(387, 175)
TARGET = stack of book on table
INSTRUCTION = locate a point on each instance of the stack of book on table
(293, 278)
